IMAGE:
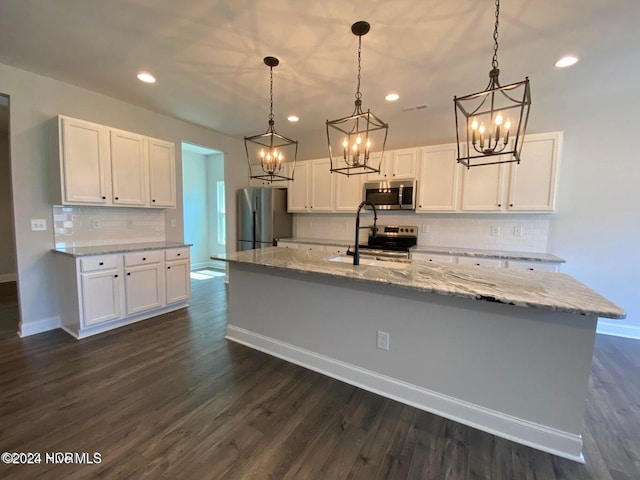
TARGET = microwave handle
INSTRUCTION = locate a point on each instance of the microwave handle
(400, 196)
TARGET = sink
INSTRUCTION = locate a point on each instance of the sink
(371, 262)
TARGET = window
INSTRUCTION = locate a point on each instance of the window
(222, 230)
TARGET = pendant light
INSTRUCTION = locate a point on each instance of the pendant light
(490, 125)
(353, 139)
(267, 151)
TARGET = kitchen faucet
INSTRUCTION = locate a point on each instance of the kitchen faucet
(356, 254)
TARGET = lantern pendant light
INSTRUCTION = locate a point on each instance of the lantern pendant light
(491, 125)
(267, 151)
(352, 140)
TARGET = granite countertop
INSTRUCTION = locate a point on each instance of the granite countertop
(119, 248)
(532, 289)
(455, 251)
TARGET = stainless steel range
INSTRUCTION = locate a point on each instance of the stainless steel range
(390, 241)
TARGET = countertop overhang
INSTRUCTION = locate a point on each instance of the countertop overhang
(531, 289)
(118, 248)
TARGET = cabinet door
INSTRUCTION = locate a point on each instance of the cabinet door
(100, 296)
(85, 162)
(128, 169)
(483, 188)
(532, 183)
(177, 281)
(162, 173)
(404, 163)
(432, 258)
(537, 266)
(385, 167)
(297, 196)
(480, 262)
(321, 186)
(439, 179)
(348, 192)
(143, 288)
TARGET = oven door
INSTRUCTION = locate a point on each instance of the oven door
(396, 195)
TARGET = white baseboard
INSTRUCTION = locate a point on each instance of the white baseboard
(615, 329)
(557, 442)
(39, 326)
(8, 277)
(209, 264)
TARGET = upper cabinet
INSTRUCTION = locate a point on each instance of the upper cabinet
(529, 186)
(312, 188)
(397, 164)
(298, 194)
(162, 173)
(439, 179)
(98, 165)
(348, 192)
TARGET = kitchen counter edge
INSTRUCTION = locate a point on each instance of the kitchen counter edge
(118, 248)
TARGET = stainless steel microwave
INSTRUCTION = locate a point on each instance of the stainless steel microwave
(391, 195)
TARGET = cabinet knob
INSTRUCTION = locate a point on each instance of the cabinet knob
(144, 258)
(117, 198)
(153, 200)
(179, 254)
(499, 204)
(101, 263)
(104, 198)
(115, 276)
(420, 206)
(511, 204)
(128, 273)
(168, 268)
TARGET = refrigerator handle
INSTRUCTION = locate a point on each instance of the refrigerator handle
(254, 229)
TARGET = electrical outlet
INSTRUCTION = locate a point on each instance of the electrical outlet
(424, 228)
(382, 341)
(495, 231)
(517, 231)
(95, 223)
(38, 224)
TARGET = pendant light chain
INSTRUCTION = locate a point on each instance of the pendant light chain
(494, 61)
(271, 95)
(358, 94)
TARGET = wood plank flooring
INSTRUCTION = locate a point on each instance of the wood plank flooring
(170, 398)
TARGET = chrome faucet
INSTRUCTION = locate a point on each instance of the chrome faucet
(356, 254)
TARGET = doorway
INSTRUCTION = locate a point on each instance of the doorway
(9, 313)
(204, 207)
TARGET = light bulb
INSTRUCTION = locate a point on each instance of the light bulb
(261, 153)
(474, 124)
(481, 130)
(507, 124)
(499, 119)
(358, 140)
(355, 147)
(368, 143)
(345, 143)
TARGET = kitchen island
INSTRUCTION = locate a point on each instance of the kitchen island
(508, 352)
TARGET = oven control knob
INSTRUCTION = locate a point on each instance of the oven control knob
(402, 229)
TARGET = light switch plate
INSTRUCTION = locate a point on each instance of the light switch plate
(38, 224)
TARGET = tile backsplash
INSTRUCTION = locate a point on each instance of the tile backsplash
(86, 226)
(524, 233)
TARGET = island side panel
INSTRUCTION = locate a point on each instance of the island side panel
(530, 366)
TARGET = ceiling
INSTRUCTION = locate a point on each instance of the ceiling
(207, 55)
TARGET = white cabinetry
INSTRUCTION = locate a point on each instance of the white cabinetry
(284, 244)
(118, 289)
(177, 275)
(101, 285)
(84, 163)
(162, 173)
(537, 266)
(312, 187)
(128, 168)
(432, 258)
(348, 192)
(510, 187)
(144, 285)
(439, 179)
(98, 165)
(397, 164)
(480, 262)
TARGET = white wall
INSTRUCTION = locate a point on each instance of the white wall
(35, 100)
(196, 207)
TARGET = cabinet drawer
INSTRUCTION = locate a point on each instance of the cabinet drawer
(101, 262)
(176, 254)
(141, 258)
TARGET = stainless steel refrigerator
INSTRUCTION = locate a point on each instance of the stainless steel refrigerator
(262, 217)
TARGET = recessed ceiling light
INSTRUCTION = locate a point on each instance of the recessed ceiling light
(391, 97)
(567, 61)
(146, 77)
(293, 118)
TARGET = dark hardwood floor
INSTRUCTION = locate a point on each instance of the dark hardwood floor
(170, 398)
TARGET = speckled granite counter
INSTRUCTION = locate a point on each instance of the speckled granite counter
(454, 251)
(120, 248)
(541, 290)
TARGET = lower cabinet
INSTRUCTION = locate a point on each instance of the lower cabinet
(118, 289)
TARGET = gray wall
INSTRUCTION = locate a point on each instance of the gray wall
(35, 100)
